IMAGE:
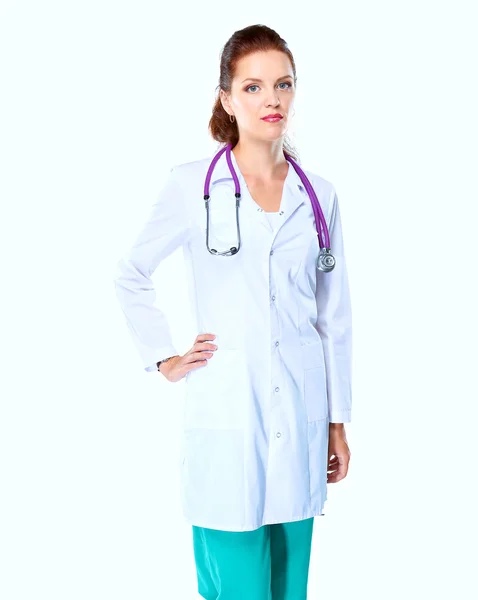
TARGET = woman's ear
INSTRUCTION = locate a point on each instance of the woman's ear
(225, 101)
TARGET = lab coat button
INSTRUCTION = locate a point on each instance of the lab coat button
(273, 298)
(272, 252)
(278, 434)
(277, 343)
(277, 389)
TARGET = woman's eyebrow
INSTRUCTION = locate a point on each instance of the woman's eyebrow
(260, 80)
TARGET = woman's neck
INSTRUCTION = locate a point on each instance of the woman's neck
(263, 162)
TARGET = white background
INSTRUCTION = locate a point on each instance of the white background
(98, 101)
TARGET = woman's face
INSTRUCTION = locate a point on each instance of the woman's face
(263, 84)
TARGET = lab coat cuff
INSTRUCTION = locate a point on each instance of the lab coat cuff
(159, 354)
(340, 416)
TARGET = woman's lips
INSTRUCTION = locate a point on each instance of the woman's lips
(272, 119)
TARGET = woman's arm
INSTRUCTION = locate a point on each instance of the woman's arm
(165, 230)
(334, 322)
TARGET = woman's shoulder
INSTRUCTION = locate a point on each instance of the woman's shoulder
(191, 168)
(319, 183)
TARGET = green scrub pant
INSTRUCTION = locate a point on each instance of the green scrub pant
(269, 563)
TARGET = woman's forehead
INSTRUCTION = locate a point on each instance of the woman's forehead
(268, 65)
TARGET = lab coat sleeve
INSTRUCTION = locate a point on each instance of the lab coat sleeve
(166, 229)
(334, 322)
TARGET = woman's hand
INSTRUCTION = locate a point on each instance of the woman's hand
(177, 366)
(338, 448)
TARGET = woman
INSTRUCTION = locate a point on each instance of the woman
(269, 375)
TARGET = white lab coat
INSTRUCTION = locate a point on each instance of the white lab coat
(255, 430)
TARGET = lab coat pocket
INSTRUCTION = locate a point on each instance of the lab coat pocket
(212, 477)
(315, 384)
(214, 393)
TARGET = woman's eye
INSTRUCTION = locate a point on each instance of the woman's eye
(282, 83)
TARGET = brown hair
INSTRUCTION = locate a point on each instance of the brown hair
(255, 38)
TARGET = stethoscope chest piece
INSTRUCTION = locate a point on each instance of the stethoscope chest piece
(325, 260)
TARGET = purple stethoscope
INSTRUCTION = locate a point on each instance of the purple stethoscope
(325, 259)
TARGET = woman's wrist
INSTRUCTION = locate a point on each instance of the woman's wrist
(158, 364)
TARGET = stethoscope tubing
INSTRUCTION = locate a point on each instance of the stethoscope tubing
(321, 224)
